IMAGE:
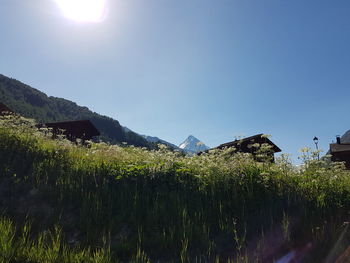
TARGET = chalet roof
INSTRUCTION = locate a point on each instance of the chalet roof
(259, 138)
(4, 108)
(75, 127)
(337, 148)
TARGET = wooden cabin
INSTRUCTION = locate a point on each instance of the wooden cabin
(73, 130)
(4, 109)
(340, 152)
(248, 145)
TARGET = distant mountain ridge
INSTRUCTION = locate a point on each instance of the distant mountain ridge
(193, 145)
(32, 103)
(158, 140)
(155, 140)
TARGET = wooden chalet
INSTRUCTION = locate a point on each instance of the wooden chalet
(4, 109)
(248, 145)
(73, 130)
(340, 152)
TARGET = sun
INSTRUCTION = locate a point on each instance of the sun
(92, 11)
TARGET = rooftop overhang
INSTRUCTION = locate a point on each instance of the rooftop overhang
(259, 138)
(339, 148)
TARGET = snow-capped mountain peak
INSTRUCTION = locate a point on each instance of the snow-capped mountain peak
(193, 145)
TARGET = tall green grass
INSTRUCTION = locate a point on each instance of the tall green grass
(111, 202)
(48, 247)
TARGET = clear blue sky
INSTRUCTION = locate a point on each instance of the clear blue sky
(214, 69)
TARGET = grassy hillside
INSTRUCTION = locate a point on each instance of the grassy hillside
(103, 203)
(32, 103)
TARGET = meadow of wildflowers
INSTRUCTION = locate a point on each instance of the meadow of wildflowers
(65, 202)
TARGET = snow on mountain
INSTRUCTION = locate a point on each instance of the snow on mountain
(193, 145)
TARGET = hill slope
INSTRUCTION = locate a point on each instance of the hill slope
(32, 103)
(102, 204)
(157, 140)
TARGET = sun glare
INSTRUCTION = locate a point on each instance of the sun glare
(83, 10)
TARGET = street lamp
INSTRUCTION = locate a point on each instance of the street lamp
(316, 143)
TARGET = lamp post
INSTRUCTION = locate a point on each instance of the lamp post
(316, 143)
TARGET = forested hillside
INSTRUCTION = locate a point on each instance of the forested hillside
(32, 103)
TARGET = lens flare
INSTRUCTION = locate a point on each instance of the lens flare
(93, 11)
